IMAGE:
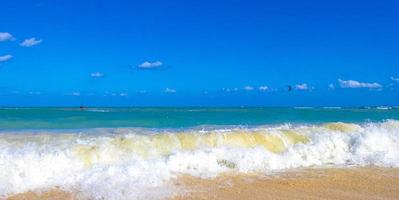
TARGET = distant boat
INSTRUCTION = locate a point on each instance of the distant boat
(289, 87)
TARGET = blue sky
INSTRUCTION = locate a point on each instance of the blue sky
(202, 53)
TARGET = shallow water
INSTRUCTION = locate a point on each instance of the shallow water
(61, 118)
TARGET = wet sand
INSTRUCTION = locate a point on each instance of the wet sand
(352, 183)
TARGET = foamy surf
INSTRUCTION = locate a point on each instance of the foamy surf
(140, 163)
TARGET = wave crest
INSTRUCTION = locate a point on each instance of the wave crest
(113, 161)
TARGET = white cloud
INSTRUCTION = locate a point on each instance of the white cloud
(302, 86)
(169, 90)
(30, 42)
(123, 94)
(395, 79)
(4, 36)
(96, 74)
(357, 84)
(75, 94)
(331, 86)
(263, 88)
(149, 65)
(5, 58)
(248, 88)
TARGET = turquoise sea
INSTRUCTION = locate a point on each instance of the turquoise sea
(74, 118)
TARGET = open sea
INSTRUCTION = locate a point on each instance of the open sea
(134, 153)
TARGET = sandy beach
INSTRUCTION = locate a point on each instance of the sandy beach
(349, 183)
(359, 183)
(51, 194)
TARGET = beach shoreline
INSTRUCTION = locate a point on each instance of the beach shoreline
(319, 183)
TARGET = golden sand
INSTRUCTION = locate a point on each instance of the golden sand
(353, 183)
(53, 194)
(357, 183)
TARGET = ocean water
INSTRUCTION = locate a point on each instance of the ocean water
(136, 153)
(74, 118)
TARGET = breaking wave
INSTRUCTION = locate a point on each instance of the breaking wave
(131, 163)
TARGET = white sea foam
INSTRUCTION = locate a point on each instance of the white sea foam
(140, 164)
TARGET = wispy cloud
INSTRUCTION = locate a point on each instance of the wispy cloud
(5, 58)
(302, 86)
(396, 79)
(96, 74)
(34, 93)
(357, 84)
(230, 89)
(169, 90)
(123, 94)
(4, 36)
(331, 86)
(248, 88)
(263, 88)
(226, 89)
(150, 65)
(74, 94)
(30, 42)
